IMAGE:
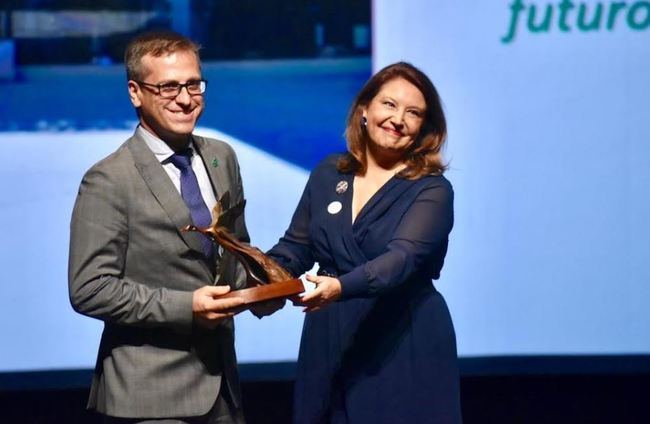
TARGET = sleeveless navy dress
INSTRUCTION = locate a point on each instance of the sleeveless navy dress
(385, 352)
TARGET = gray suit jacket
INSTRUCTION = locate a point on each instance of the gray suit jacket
(131, 267)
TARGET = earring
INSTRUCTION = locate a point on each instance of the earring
(364, 121)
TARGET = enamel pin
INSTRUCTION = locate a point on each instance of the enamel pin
(334, 207)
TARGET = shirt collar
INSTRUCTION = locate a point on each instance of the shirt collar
(159, 148)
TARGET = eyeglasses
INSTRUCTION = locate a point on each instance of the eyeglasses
(170, 90)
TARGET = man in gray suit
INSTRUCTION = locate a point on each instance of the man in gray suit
(167, 350)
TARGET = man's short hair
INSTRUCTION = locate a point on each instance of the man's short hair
(154, 43)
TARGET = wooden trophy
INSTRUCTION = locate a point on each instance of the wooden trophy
(265, 278)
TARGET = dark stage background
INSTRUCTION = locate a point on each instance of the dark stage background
(549, 398)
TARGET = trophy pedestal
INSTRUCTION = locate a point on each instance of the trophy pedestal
(281, 289)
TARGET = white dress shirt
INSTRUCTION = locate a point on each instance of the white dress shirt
(164, 152)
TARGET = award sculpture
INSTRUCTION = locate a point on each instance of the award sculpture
(265, 278)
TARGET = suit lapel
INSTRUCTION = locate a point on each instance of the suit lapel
(163, 190)
(215, 168)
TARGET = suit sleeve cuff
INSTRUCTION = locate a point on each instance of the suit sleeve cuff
(180, 309)
(354, 283)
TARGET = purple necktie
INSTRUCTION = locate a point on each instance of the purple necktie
(191, 194)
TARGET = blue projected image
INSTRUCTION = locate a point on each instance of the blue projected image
(280, 101)
(550, 161)
(548, 152)
(281, 117)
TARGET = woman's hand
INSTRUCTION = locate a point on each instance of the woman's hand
(327, 290)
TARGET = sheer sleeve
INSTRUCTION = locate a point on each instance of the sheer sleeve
(293, 250)
(420, 237)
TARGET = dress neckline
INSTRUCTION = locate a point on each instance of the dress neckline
(369, 203)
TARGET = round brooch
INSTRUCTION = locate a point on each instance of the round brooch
(334, 207)
(341, 187)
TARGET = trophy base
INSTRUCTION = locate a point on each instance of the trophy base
(282, 289)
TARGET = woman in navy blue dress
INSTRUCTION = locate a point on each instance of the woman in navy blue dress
(378, 344)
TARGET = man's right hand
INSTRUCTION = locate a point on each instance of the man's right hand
(209, 311)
